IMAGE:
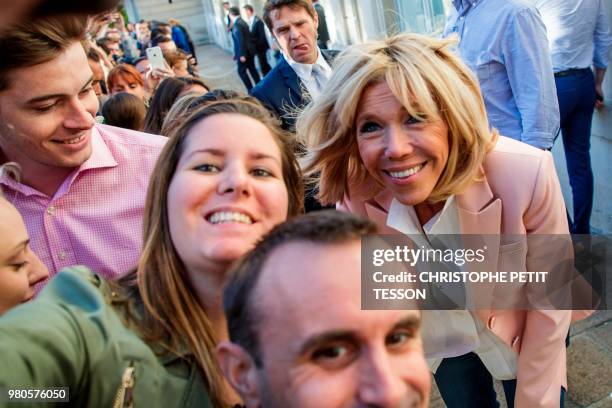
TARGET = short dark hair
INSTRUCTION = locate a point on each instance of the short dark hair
(161, 24)
(272, 5)
(321, 227)
(124, 110)
(161, 38)
(234, 11)
(37, 41)
(248, 7)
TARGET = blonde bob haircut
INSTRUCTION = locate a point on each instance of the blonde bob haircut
(429, 80)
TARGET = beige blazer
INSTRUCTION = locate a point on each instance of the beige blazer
(519, 195)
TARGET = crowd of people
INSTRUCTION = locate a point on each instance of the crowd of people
(117, 55)
(155, 249)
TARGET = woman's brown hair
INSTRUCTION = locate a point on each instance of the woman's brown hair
(124, 110)
(174, 316)
(164, 97)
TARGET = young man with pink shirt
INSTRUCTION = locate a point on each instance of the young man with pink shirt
(82, 186)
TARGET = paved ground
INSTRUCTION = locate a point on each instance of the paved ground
(589, 356)
(218, 68)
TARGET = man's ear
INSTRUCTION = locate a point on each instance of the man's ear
(241, 372)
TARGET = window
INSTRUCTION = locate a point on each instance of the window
(421, 16)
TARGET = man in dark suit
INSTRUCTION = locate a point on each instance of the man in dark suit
(322, 29)
(302, 71)
(258, 37)
(244, 49)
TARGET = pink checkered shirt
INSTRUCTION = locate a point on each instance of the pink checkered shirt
(95, 217)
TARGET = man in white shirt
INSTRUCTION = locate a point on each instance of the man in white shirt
(579, 38)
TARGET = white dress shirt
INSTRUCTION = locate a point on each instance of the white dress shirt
(306, 73)
(452, 333)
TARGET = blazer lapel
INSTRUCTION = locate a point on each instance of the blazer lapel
(377, 210)
(292, 81)
(480, 215)
(479, 210)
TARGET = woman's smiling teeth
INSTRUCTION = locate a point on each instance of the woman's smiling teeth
(405, 173)
(228, 216)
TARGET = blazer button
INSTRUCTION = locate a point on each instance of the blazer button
(491, 322)
(514, 341)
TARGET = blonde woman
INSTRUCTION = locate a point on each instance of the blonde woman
(226, 176)
(401, 136)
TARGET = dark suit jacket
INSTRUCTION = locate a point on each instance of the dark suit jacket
(258, 35)
(281, 91)
(243, 46)
(322, 30)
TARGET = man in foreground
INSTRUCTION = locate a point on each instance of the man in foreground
(298, 335)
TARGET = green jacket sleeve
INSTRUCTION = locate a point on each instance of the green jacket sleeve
(71, 336)
(52, 341)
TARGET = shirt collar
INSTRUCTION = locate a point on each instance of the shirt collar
(403, 218)
(101, 156)
(304, 71)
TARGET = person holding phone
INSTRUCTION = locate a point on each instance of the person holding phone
(158, 69)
